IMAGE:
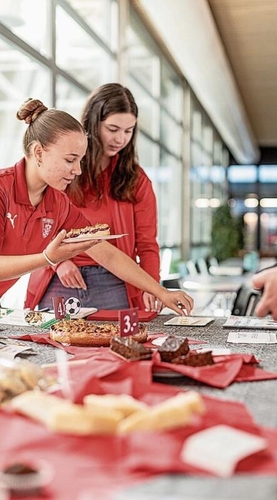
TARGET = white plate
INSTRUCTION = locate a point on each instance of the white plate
(159, 341)
(87, 237)
(166, 373)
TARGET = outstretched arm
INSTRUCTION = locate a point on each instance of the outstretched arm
(127, 270)
(266, 281)
(14, 266)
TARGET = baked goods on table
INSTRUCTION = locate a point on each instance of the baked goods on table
(81, 332)
(19, 376)
(176, 350)
(34, 317)
(129, 348)
(173, 347)
(109, 417)
(194, 358)
(99, 229)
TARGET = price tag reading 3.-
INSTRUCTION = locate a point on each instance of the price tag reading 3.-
(128, 322)
(59, 307)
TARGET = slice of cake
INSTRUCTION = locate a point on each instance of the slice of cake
(194, 358)
(173, 347)
(128, 348)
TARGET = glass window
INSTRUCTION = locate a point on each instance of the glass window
(101, 16)
(23, 18)
(170, 201)
(148, 156)
(80, 55)
(143, 64)
(69, 97)
(171, 92)
(268, 173)
(171, 134)
(21, 77)
(242, 173)
(149, 111)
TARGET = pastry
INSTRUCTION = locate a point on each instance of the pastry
(81, 332)
(120, 402)
(172, 348)
(98, 229)
(194, 358)
(173, 412)
(63, 416)
(129, 348)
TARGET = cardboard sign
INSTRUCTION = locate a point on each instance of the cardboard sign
(59, 307)
(128, 322)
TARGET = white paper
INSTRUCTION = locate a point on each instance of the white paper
(190, 321)
(218, 449)
(252, 338)
(11, 350)
(250, 322)
(17, 317)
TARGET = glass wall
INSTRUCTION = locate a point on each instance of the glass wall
(76, 48)
(208, 178)
(253, 192)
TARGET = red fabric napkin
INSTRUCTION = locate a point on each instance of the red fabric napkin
(103, 465)
(112, 315)
(226, 370)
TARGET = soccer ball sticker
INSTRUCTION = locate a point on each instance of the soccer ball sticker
(72, 306)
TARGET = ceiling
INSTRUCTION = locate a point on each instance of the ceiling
(248, 29)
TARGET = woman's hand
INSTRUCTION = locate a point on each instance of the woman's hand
(70, 276)
(266, 281)
(57, 251)
(179, 301)
(151, 302)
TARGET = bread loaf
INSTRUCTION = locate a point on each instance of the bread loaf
(64, 416)
(174, 412)
(120, 402)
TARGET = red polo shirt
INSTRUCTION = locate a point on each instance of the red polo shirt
(25, 229)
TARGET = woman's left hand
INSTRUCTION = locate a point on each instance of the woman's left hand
(151, 302)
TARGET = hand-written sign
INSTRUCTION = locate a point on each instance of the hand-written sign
(128, 322)
(59, 307)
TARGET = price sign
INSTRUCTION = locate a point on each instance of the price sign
(128, 322)
(59, 307)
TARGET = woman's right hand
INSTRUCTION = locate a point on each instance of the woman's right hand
(57, 251)
(70, 276)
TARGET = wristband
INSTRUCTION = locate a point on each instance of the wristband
(47, 258)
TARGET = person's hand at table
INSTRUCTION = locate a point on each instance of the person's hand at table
(151, 302)
(178, 300)
(266, 281)
(70, 275)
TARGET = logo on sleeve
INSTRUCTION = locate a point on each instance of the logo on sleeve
(47, 225)
(11, 218)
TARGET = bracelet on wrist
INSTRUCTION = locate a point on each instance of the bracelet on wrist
(47, 258)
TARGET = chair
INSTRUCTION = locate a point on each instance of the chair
(202, 266)
(191, 267)
(245, 302)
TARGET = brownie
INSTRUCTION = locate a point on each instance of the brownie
(195, 359)
(129, 348)
(173, 347)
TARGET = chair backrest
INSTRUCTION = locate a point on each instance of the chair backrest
(246, 300)
(191, 267)
(202, 266)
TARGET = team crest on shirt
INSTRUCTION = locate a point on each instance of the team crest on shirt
(11, 218)
(47, 225)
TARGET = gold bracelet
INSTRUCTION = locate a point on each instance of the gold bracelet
(47, 258)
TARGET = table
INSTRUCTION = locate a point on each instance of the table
(215, 284)
(259, 397)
